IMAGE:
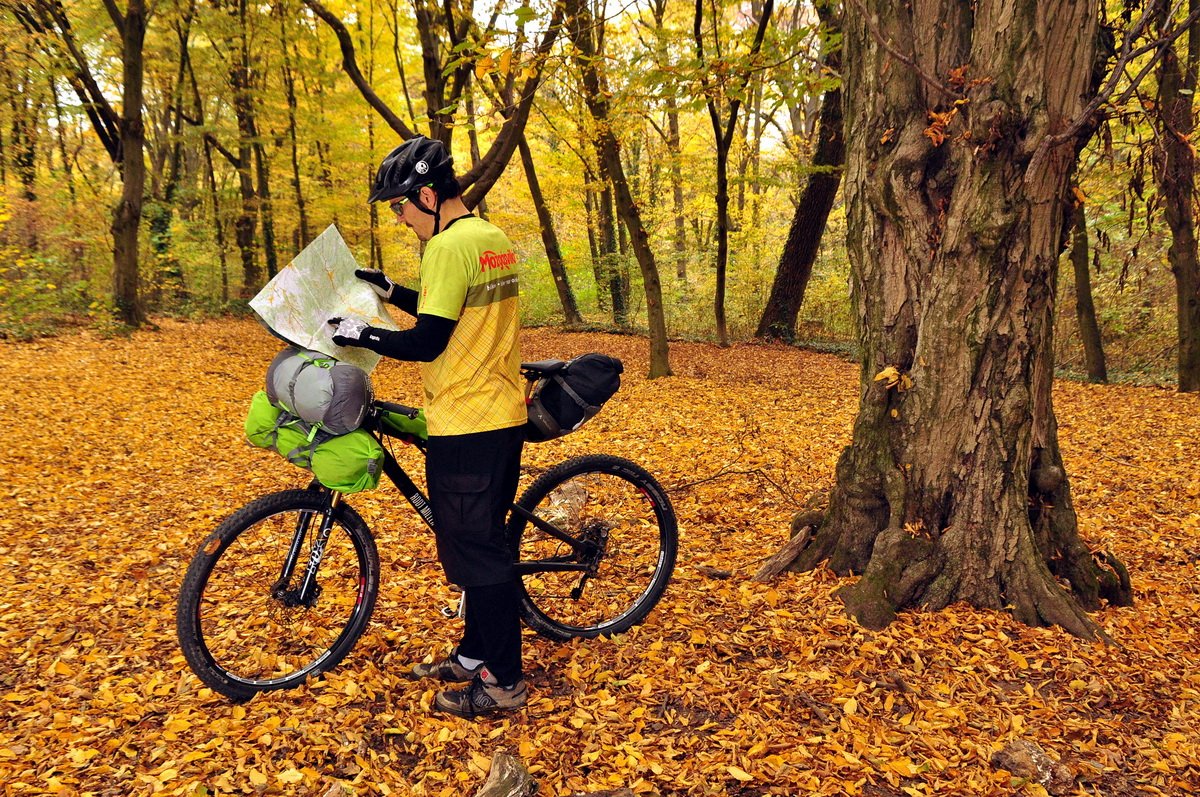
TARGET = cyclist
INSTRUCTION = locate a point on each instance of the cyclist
(466, 337)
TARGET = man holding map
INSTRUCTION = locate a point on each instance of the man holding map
(466, 337)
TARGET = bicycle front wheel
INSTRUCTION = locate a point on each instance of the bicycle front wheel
(595, 539)
(248, 625)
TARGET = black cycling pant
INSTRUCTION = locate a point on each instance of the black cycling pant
(472, 482)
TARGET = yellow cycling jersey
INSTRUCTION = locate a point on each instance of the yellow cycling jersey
(469, 274)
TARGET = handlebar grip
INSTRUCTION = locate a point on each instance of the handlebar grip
(399, 409)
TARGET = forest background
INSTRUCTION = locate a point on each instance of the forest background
(204, 143)
(256, 138)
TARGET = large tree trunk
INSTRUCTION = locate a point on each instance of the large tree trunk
(954, 488)
(1177, 182)
(1085, 308)
(808, 224)
(128, 216)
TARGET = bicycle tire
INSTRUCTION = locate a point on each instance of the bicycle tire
(239, 639)
(594, 497)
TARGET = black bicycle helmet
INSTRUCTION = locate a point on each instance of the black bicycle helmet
(417, 162)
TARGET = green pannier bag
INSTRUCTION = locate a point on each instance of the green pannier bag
(348, 463)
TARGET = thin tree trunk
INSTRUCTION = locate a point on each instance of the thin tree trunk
(128, 215)
(266, 208)
(674, 151)
(25, 126)
(218, 224)
(1085, 308)
(673, 146)
(243, 105)
(473, 139)
(812, 213)
(582, 27)
(723, 132)
(558, 269)
(62, 139)
(608, 268)
(1177, 181)
(289, 85)
(169, 272)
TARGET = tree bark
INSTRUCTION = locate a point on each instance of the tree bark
(723, 132)
(954, 488)
(1176, 164)
(218, 223)
(582, 28)
(1085, 308)
(243, 106)
(658, 9)
(803, 242)
(168, 270)
(558, 269)
(128, 215)
(289, 85)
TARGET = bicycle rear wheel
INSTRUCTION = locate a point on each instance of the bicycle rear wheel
(245, 630)
(623, 554)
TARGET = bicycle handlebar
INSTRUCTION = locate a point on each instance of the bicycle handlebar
(399, 409)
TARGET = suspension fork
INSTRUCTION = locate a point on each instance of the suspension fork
(308, 591)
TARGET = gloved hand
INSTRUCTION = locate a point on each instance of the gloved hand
(377, 280)
(349, 332)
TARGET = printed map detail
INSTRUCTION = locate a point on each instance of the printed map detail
(318, 285)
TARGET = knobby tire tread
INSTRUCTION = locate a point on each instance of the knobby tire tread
(215, 545)
(543, 623)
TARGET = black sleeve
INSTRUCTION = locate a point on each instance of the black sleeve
(423, 343)
(405, 299)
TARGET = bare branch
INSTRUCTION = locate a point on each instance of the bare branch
(483, 175)
(350, 65)
(910, 61)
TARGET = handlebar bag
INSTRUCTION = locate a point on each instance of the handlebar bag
(319, 389)
(348, 463)
(562, 401)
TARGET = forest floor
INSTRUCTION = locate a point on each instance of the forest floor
(123, 454)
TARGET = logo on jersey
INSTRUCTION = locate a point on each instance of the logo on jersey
(490, 261)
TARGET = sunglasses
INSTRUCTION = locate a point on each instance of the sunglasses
(398, 206)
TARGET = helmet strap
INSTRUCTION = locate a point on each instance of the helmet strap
(436, 212)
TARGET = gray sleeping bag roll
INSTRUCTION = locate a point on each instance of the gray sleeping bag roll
(319, 389)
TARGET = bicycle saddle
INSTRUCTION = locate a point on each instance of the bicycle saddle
(543, 367)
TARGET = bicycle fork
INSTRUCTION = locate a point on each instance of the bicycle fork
(309, 590)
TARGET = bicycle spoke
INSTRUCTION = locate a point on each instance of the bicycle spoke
(618, 544)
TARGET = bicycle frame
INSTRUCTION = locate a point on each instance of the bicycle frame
(404, 483)
(586, 554)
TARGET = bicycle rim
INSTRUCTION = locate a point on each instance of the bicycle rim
(626, 522)
(250, 638)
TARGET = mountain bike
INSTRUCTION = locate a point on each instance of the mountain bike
(283, 588)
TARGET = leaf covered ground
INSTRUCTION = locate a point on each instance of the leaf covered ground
(121, 455)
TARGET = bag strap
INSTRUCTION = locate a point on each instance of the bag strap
(301, 455)
(578, 399)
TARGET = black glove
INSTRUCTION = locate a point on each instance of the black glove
(349, 331)
(377, 280)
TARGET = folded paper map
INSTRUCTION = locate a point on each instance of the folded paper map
(315, 287)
